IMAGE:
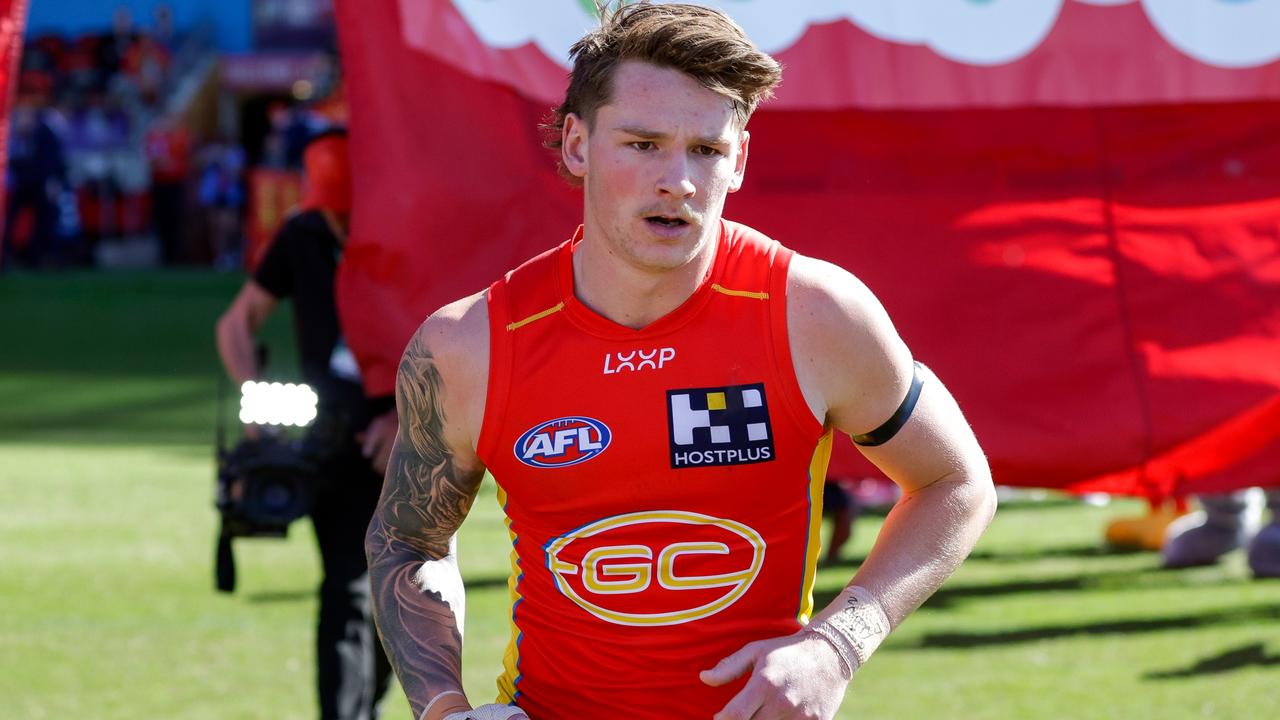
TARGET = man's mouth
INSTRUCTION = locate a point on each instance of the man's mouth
(666, 221)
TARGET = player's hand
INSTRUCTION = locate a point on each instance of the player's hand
(376, 440)
(796, 676)
(489, 712)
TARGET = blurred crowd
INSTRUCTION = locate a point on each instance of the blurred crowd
(82, 125)
(105, 166)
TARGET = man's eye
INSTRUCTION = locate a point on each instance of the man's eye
(706, 150)
(643, 145)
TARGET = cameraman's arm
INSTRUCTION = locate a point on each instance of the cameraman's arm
(432, 479)
(238, 326)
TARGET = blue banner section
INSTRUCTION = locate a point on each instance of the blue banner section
(231, 19)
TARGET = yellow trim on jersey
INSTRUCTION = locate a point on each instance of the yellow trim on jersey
(739, 293)
(817, 478)
(512, 327)
(511, 657)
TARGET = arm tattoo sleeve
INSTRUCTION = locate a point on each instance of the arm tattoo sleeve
(424, 500)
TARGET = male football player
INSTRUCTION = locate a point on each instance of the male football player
(656, 398)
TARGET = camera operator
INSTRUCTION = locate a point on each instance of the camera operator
(356, 432)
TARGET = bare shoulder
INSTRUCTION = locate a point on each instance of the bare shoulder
(446, 366)
(853, 367)
(457, 331)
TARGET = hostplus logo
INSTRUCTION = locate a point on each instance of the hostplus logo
(719, 426)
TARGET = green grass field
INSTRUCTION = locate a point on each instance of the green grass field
(107, 406)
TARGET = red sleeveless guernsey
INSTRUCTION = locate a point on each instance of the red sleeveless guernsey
(662, 486)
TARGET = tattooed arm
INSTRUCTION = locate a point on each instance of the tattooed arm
(432, 478)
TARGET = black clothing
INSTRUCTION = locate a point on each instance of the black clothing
(301, 264)
(352, 670)
(36, 159)
(168, 213)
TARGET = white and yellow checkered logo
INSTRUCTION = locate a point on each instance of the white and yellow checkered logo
(719, 426)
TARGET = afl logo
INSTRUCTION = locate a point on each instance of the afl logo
(563, 442)
(661, 567)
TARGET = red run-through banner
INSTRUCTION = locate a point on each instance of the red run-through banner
(13, 20)
(1070, 208)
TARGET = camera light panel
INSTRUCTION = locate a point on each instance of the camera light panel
(263, 403)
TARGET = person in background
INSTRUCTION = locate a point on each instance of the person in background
(37, 177)
(839, 504)
(168, 148)
(1226, 522)
(301, 264)
(221, 195)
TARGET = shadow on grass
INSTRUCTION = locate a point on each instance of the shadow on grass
(1008, 506)
(1071, 552)
(494, 581)
(279, 596)
(1113, 580)
(1230, 661)
(1154, 578)
(1228, 616)
(1065, 552)
(133, 420)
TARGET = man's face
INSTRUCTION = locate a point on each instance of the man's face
(656, 165)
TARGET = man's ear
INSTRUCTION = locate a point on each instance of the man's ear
(573, 145)
(740, 164)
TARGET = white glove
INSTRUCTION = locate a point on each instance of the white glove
(488, 712)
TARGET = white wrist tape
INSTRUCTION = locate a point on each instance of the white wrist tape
(854, 625)
(487, 712)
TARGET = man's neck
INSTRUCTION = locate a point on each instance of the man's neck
(631, 296)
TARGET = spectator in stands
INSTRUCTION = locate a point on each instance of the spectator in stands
(146, 63)
(221, 195)
(97, 125)
(164, 31)
(108, 86)
(117, 43)
(168, 147)
(36, 179)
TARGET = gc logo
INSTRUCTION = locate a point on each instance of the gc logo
(628, 570)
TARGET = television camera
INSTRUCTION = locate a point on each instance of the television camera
(268, 479)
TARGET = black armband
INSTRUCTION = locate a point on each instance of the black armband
(885, 432)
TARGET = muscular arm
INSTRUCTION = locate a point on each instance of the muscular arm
(855, 371)
(432, 479)
(943, 511)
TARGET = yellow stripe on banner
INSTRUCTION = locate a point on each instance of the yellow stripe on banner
(512, 327)
(510, 658)
(740, 293)
(817, 478)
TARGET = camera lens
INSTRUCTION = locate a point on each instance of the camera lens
(277, 497)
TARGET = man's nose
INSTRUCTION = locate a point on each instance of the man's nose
(675, 179)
